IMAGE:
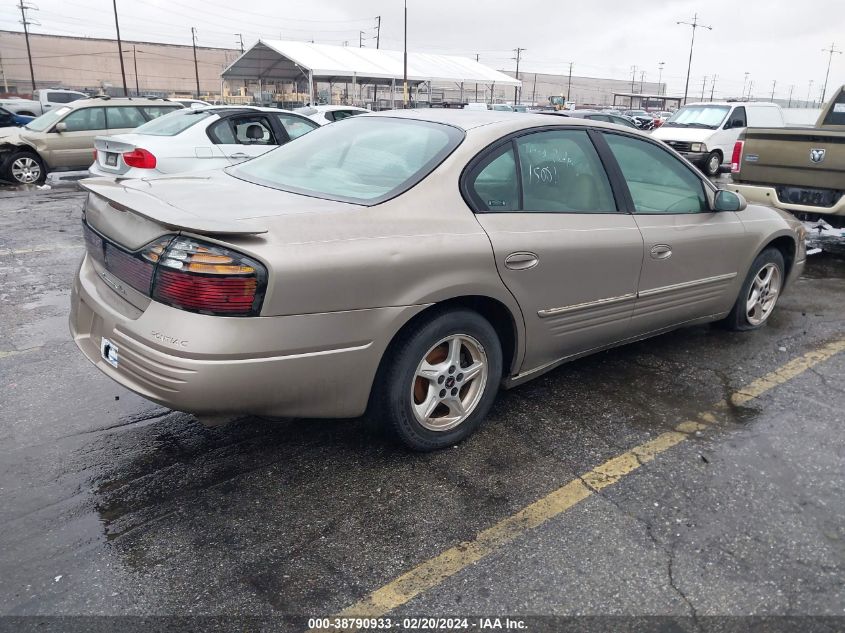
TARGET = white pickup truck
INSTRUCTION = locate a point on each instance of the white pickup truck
(42, 101)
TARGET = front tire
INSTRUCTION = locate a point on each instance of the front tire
(439, 380)
(25, 168)
(713, 164)
(760, 292)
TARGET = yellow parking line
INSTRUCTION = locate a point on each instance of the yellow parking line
(42, 248)
(432, 572)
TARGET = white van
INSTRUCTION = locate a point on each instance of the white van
(705, 133)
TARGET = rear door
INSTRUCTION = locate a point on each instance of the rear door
(562, 245)
(244, 136)
(74, 147)
(693, 256)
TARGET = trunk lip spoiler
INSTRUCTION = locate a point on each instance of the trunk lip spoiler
(162, 212)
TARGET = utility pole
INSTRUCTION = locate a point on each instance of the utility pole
(3, 71)
(830, 50)
(744, 82)
(196, 66)
(518, 52)
(695, 25)
(360, 39)
(135, 61)
(405, 62)
(750, 88)
(534, 91)
(660, 78)
(24, 7)
(378, 31)
(703, 84)
(569, 84)
(240, 41)
(633, 79)
(809, 90)
(712, 88)
(642, 80)
(119, 50)
(791, 88)
(774, 83)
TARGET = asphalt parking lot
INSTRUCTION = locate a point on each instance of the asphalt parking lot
(696, 474)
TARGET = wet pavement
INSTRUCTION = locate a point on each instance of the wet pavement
(111, 505)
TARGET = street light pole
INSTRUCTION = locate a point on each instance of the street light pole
(660, 78)
(405, 62)
(830, 50)
(120, 50)
(695, 25)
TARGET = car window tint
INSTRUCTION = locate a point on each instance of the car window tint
(658, 182)
(62, 97)
(495, 186)
(561, 172)
(738, 118)
(153, 112)
(123, 117)
(85, 119)
(345, 114)
(296, 126)
(836, 114)
(252, 130)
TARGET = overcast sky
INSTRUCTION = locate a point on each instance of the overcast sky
(772, 40)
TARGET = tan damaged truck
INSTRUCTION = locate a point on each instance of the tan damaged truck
(801, 170)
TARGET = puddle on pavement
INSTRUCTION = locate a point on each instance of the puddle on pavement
(825, 266)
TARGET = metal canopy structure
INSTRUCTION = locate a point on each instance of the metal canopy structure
(278, 60)
(637, 100)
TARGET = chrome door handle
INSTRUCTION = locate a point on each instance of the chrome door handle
(661, 251)
(239, 155)
(521, 260)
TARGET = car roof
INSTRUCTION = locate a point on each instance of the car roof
(469, 119)
(332, 108)
(119, 101)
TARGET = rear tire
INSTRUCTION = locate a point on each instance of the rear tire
(25, 168)
(439, 380)
(759, 293)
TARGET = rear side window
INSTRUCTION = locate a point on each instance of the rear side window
(836, 115)
(362, 160)
(297, 126)
(172, 124)
(153, 112)
(86, 119)
(495, 185)
(658, 182)
(123, 117)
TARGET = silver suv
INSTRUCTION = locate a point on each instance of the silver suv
(63, 138)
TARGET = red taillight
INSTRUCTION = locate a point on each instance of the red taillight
(200, 277)
(95, 156)
(185, 273)
(736, 157)
(140, 158)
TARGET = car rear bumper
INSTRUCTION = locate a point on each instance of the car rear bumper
(761, 194)
(317, 365)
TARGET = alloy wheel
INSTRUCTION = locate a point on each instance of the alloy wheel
(449, 382)
(26, 170)
(763, 294)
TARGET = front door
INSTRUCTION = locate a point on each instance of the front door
(562, 246)
(693, 255)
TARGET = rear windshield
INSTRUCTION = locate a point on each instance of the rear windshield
(364, 160)
(836, 115)
(173, 123)
(702, 116)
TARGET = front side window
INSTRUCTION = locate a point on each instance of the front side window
(85, 119)
(248, 129)
(47, 120)
(364, 160)
(297, 126)
(658, 182)
(123, 117)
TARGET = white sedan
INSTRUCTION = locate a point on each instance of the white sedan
(325, 114)
(196, 139)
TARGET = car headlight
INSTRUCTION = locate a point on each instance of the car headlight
(698, 147)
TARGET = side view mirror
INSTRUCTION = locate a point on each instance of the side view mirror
(729, 201)
(61, 126)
